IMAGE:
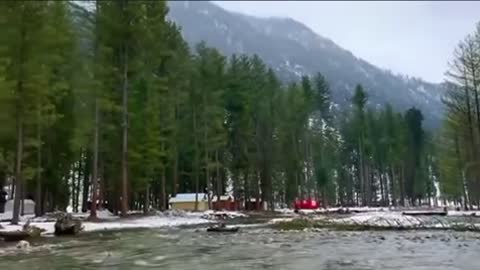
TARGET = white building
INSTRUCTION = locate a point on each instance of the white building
(29, 207)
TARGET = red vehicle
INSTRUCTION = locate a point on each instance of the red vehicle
(306, 204)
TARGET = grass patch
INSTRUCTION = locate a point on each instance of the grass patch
(295, 224)
(306, 223)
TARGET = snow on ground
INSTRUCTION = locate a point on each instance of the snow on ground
(111, 222)
(145, 222)
(279, 220)
(380, 217)
(463, 213)
(385, 218)
(286, 211)
(101, 214)
(229, 214)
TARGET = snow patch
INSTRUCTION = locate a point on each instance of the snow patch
(168, 219)
(463, 213)
(380, 219)
(279, 220)
(210, 214)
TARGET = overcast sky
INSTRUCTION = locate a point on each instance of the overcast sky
(413, 38)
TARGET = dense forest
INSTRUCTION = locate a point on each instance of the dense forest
(109, 104)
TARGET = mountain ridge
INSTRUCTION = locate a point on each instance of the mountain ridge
(292, 49)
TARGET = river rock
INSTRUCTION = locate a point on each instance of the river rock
(23, 245)
(67, 225)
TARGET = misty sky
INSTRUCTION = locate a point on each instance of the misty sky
(413, 38)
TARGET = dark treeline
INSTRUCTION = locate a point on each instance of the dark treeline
(112, 106)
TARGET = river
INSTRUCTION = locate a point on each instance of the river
(251, 248)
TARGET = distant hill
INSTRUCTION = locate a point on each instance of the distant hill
(293, 50)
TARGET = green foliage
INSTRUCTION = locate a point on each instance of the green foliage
(187, 121)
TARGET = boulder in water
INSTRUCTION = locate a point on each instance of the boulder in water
(23, 245)
(67, 225)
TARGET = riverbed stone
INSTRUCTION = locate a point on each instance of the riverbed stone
(67, 225)
(23, 245)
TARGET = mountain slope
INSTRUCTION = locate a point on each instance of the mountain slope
(293, 50)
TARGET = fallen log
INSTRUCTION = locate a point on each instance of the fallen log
(14, 236)
(424, 213)
(222, 229)
(27, 232)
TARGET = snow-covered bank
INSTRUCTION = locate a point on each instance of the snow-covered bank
(379, 219)
(362, 210)
(111, 222)
(145, 222)
(108, 221)
(386, 218)
(463, 213)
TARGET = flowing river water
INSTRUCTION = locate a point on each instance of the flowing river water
(251, 248)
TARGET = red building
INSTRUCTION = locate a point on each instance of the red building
(306, 204)
(225, 203)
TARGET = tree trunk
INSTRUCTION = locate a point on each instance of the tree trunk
(124, 201)
(102, 184)
(146, 203)
(246, 187)
(473, 148)
(86, 184)
(207, 170)
(362, 173)
(297, 193)
(72, 185)
(18, 169)
(164, 195)
(93, 205)
(474, 71)
(19, 123)
(196, 158)
(175, 170)
(462, 178)
(218, 178)
(382, 188)
(402, 185)
(307, 164)
(79, 180)
(324, 197)
(392, 186)
(22, 202)
(38, 188)
(236, 187)
(257, 191)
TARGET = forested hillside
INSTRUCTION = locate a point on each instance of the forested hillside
(111, 105)
(293, 50)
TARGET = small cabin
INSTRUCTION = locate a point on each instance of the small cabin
(186, 201)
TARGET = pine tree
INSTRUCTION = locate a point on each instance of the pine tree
(27, 46)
